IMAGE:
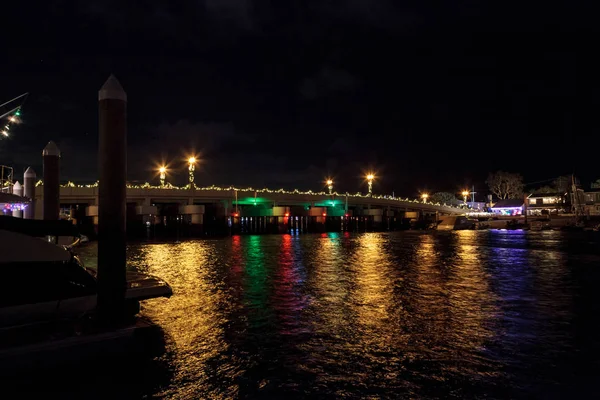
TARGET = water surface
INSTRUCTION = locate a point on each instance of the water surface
(491, 314)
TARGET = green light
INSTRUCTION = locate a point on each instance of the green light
(256, 282)
(251, 201)
(18, 112)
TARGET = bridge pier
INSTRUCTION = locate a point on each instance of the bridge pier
(195, 215)
(92, 212)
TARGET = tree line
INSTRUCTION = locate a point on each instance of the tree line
(509, 185)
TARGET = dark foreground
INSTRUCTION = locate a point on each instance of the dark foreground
(490, 314)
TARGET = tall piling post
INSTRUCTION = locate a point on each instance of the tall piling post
(29, 192)
(51, 188)
(112, 159)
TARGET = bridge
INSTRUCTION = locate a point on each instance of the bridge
(249, 209)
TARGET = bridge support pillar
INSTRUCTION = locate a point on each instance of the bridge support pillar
(92, 211)
(317, 216)
(373, 219)
(282, 216)
(196, 217)
(146, 217)
(389, 220)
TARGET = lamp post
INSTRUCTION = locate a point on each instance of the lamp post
(370, 178)
(192, 168)
(424, 196)
(465, 194)
(330, 185)
(163, 174)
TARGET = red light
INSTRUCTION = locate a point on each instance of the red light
(347, 215)
(324, 214)
(236, 214)
(287, 214)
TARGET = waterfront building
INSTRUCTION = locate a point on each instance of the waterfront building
(508, 207)
(547, 203)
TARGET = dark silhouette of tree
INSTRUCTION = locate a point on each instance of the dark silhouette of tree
(546, 189)
(444, 198)
(505, 185)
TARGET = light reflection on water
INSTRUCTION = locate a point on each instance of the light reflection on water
(464, 314)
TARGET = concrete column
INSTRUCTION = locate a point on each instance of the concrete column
(196, 212)
(112, 165)
(92, 211)
(18, 189)
(29, 192)
(51, 161)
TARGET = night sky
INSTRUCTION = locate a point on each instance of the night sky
(430, 95)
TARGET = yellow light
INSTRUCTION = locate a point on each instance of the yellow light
(192, 160)
(12, 119)
(424, 196)
(465, 193)
(329, 182)
(370, 177)
(162, 170)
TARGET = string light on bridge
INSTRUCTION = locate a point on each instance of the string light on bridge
(11, 110)
(12, 120)
(252, 191)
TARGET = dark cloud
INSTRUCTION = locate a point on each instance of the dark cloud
(237, 11)
(327, 80)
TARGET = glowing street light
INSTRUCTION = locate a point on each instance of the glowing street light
(424, 196)
(370, 178)
(465, 194)
(192, 168)
(163, 174)
(329, 185)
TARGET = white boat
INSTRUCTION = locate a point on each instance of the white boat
(46, 283)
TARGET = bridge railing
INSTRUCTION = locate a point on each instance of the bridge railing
(388, 200)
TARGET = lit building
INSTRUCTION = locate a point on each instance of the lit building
(592, 202)
(547, 203)
(508, 207)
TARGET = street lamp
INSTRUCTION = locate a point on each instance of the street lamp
(163, 174)
(424, 196)
(329, 185)
(465, 194)
(370, 178)
(192, 168)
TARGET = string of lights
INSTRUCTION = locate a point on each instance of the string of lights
(13, 119)
(169, 186)
(10, 114)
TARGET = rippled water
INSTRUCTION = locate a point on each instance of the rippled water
(376, 315)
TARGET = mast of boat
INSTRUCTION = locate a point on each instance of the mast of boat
(576, 200)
